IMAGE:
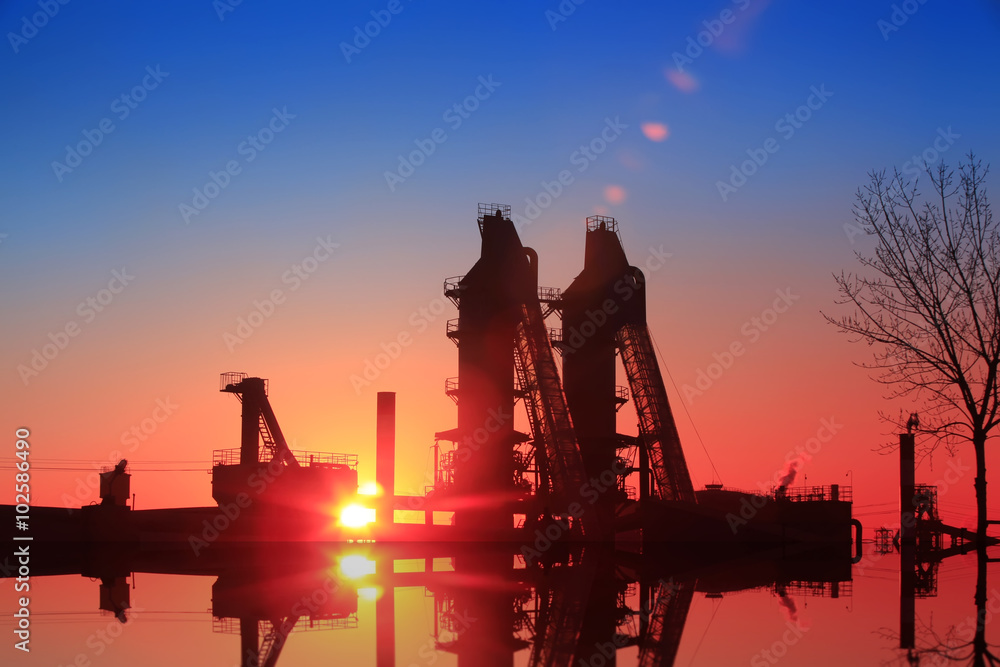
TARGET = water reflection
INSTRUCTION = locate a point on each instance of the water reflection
(577, 605)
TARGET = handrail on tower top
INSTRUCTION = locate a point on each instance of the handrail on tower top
(231, 380)
(492, 209)
(601, 222)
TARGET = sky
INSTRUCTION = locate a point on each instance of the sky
(204, 187)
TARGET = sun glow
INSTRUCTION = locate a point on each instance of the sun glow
(356, 566)
(356, 516)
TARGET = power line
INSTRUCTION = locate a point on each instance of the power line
(718, 477)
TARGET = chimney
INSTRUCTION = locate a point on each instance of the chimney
(385, 455)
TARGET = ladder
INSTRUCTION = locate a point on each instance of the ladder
(547, 411)
(656, 421)
(658, 647)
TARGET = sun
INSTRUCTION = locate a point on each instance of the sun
(356, 516)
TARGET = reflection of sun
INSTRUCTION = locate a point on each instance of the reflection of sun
(356, 566)
(369, 592)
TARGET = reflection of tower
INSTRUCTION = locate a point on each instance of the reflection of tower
(482, 618)
(668, 615)
(907, 543)
(115, 596)
(264, 608)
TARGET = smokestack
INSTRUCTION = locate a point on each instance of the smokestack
(385, 454)
(907, 517)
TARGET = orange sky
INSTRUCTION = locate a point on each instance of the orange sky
(162, 340)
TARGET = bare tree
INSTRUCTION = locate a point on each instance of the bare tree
(928, 302)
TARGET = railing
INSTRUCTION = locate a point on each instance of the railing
(546, 294)
(602, 222)
(802, 494)
(621, 394)
(233, 378)
(451, 329)
(824, 589)
(228, 457)
(491, 209)
(230, 378)
(451, 388)
(231, 626)
(453, 288)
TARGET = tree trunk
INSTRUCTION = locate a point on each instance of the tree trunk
(979, 442)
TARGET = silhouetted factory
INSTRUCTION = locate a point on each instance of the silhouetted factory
(567, 479)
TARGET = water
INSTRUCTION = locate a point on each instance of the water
(444, 605)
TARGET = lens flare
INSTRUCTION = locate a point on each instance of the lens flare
(681, 80)
(614, 194)
(655, 131)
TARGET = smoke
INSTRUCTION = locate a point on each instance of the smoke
(788, 607)
(788, 474)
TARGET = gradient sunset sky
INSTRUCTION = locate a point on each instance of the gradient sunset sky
(308, 118)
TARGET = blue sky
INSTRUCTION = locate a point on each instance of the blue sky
(324, 173)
